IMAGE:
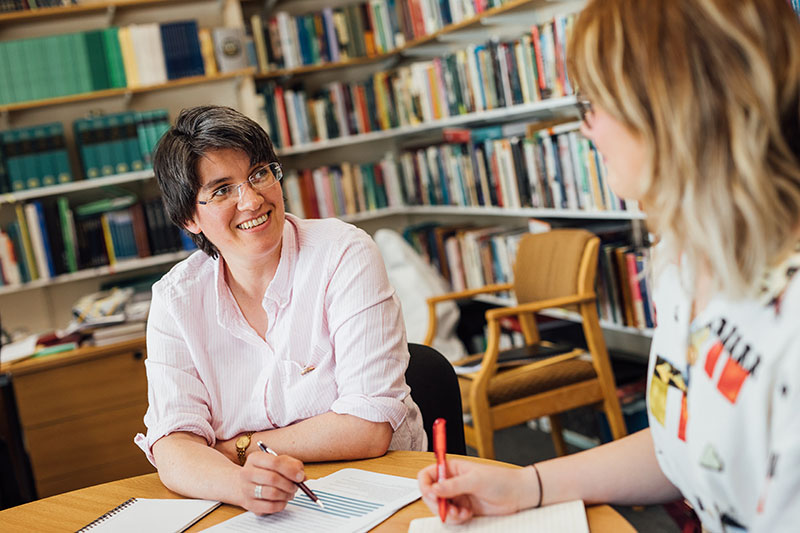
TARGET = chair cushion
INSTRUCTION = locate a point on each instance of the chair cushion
(512, 385)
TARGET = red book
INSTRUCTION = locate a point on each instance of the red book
(456, 135)
(636, 294)
(140, 230)
(537, 50)
(309, 194)
(495, 170)
(417, 22)
(283, 121)
(363, 113)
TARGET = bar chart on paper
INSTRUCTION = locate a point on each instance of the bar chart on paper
(355, 500)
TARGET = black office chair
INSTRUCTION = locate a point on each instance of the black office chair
(434, 388)
(16, 476)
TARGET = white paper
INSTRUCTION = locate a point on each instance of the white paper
(355, 500)
(19, 350)
(569, 517)
(152, 515)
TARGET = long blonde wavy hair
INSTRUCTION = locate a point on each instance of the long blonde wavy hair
(712, 87)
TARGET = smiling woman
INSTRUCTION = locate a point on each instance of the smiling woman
(280, 329)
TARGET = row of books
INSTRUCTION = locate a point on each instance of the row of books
(37, 156)
(285, 41)
(476, 78)
(8, 6)
(33, 157)
(623, 291)
(49, 239)
(469, 258)
(119, 143)
(109, 58)
(497, 166)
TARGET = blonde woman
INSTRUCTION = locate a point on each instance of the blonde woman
(695, 105)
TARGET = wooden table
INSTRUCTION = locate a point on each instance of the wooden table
(73, 510)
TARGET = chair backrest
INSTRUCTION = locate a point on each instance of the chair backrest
(434, 388)
(554, 264)
(16, 477)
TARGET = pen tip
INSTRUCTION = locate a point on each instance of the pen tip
(319, 502)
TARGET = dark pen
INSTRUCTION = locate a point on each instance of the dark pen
(303, 487)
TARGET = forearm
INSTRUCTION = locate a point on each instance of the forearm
(326, 437)
(622, 472)
(188, 466)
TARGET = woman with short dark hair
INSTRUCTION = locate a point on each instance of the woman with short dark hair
(281, 330)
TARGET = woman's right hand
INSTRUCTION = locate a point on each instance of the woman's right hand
(275, 475)
(476, 489)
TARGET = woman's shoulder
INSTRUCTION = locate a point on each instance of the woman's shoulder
(327, 232)
(184, 278)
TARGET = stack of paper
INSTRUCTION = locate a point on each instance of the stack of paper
(355, 500)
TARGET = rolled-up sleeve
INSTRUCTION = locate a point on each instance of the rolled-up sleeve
(178, 399)
(369, 339)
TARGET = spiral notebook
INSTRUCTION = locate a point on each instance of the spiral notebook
(151, 515)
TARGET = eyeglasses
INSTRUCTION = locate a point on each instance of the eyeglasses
(584, 107)
(261, 179)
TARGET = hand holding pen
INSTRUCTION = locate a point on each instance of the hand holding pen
(314, 498)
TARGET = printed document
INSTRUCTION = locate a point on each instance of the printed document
(355, 500)
(569, 517)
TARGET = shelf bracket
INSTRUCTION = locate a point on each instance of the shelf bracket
(126, 99)
(111, 12)
(5, 119)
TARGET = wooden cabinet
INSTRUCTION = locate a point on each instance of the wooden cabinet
(79, 413)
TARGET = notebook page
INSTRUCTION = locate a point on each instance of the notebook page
(154, 515)
(568, 517)
(355, 500)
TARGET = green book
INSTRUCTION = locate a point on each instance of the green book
(311, 31)
(84, 138)
(68, 234)
(66, 57)
(98, 64)
(6, 96)
(119, 156)
(81, 66)
(28, 155)
(17, 73)
(113, 55)
(16, 174)
(130, 137)
(141, 119)
(369, 187)
(101, 133)
(105, 205)
(31, 62)
(59, 155)
(45, 169)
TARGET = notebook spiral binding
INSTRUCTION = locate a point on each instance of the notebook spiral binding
(124, 505)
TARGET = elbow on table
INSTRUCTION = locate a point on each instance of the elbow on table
(379, 437)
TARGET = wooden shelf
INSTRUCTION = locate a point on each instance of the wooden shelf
(526, 212)
(123, 92)
(563, 314)
(61, 11)
(426, 39)
(125, 265)
(543, 109)
(73, 186)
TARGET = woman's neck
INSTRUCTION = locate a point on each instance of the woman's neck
(249, 281)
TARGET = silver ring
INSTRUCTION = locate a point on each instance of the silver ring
(257, 492)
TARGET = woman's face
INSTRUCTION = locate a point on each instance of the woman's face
(250, 227)
(623, 151)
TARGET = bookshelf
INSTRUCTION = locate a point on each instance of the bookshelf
(44, 304)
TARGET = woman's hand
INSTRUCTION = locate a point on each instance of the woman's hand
(275, 475)
(475, 489)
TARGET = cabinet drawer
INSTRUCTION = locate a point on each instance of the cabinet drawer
(79, 447)
(76, 390)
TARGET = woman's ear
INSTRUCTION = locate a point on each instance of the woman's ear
(192, 226)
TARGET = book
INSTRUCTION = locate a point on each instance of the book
(148, 514)
(229, 49)
(568, 516)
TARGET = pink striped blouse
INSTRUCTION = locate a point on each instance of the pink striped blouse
(330, 308)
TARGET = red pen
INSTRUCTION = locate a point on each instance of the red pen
(440, 449)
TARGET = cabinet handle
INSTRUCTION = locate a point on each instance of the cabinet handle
(138, 355)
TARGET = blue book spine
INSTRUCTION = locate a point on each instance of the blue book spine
(48, 252)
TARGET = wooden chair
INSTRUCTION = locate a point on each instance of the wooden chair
(555, 269)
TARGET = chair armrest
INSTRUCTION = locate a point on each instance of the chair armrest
(457, 295)
(501, 312)
(469, 293)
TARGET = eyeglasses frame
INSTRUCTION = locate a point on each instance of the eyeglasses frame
(274, 167)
